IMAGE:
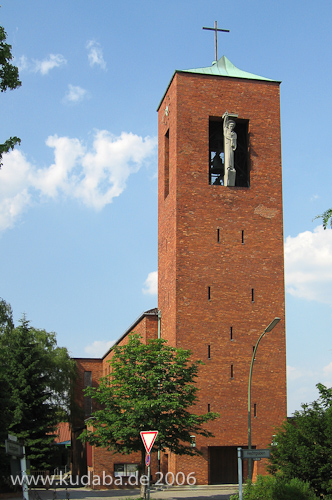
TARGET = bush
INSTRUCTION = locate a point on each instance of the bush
(277, 488)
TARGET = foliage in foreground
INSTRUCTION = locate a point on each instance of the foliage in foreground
(326, 218)
(9, 79)
(151, 386)
(35, 377)
(276, 488)
(303, 446)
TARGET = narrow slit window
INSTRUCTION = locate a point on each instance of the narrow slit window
(232, 371)
(255, 410)
(209, 352)
(166, 165)
(242, 237)
(218, 235)
(231, 332)
(208, 407)
(252, 295)
(209, 293)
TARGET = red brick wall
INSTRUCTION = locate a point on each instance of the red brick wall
(102, 460)
(191, 259)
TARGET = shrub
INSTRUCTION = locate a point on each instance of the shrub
(277, 488)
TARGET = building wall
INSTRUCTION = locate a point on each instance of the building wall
(248, 256)
(79, 449)
(99, 461)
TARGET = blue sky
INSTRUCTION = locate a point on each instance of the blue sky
(78, 198)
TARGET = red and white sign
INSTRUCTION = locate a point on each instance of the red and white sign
(148, 438)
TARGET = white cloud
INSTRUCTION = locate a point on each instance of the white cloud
(308, 265)
(53, 61)
(95, 54)
(327, 370)
(92, 176)
(44, 66)
(301, 384)
(293, 373)
(98, 348)
(75, 94)
(151, 284)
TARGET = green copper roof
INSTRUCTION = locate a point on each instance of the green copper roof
(224, 67)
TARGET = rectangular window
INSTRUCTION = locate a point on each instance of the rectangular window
(218, 235)
(128, 470)
(87, 399)
(217, 155)
(231, 333)
(242, 237)
(166, 164)
(209, 293)
(252, 295)
(232, 371)
(255, 410)
(209, 352)
(208, 407)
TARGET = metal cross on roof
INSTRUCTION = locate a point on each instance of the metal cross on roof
(215, 29)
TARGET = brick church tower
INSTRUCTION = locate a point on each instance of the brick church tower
(221, 272)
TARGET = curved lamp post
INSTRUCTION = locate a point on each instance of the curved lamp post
(267, 329)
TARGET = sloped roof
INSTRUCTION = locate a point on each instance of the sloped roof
(222, 67)
(62, 433)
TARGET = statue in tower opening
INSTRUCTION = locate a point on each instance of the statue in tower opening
(230, 144)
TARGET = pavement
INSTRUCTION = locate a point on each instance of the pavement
(211, 492)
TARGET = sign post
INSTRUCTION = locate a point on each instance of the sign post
(239, 465)
(15, 449)
(256, 454)
(148, 438)
(252, 454)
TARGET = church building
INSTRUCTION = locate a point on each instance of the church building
(220, 265)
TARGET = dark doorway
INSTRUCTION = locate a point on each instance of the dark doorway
(223, 465)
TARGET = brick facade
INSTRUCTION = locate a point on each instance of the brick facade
(98, 461)
(217, 297)
(220, 273)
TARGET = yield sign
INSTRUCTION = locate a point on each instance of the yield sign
(148, 438)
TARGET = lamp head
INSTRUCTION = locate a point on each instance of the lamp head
(272, 325)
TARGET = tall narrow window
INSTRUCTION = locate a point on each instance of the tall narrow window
(166, 164)
(252, 295)
(232, 371)
(209, 293)
(218, 235)
(231, 333)
(208, 407)
(87, 399)
(255, 410)
(209, 352)
(242, 236)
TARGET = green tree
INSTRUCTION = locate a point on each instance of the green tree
(9, 79)
(36, 395)
(303, 446)
(151, 386)
(326, 218)
(6, 317)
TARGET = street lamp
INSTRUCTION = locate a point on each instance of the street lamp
(267, 329)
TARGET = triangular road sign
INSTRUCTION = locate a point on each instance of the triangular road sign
(148, 438)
